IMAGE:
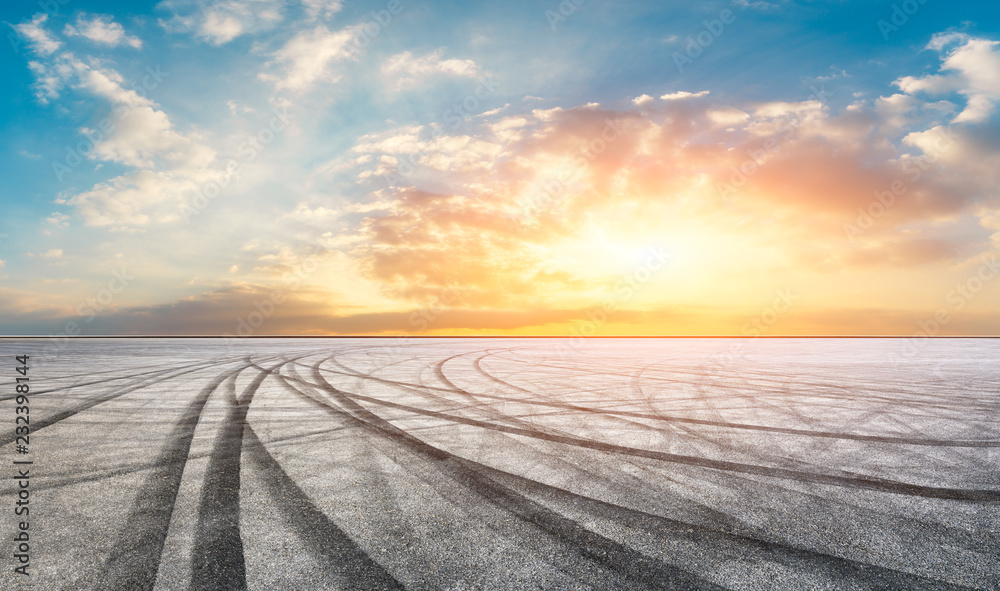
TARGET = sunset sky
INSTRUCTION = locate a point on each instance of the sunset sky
(593, 167)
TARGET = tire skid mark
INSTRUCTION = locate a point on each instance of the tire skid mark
(218, 561)
(730, 425)
(431, 474)
(862, 482)
(135, 468)
(325, 539)
(674, 419)
(139, 377)
(611, 555)
(475, 397)
(484, 409)
(134, 561)
(311, 525)
(734, 542)
(724, 440)
(488, 411)
(518, 421)
(721, 519)
(888, 395)
(99, 399)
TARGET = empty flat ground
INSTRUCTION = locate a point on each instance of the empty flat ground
(507, 464)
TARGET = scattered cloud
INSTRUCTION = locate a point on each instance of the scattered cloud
(54, 253)
(220, 21)
(682, 94)
(970, 68)
(39, 39)
(308, 58)
(521, 208)
(237, 109)
(406, 70)
(168, 165)
(101, 29)
(322, 8)
(58, 219)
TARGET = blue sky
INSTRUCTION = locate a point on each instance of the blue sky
(335, 108)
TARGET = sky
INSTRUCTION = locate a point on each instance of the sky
(583, 168)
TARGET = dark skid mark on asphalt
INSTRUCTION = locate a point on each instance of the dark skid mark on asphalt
(611, 555)
(122, 391)
(218, 562)
(721, 543)
(863, 482)
(324, 537)
(726, 424)
(672, 419)
(135, 558)
(154, 371)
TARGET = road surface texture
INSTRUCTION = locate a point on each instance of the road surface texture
(462, 464)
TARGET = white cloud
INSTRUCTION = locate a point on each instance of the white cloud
(770, 118)
(221, 21)
(317, 216)
(406, 70)
(758, 4)
(727, 116)
(492, 112)
(55, 253)
(143, 134)
(29, 155)
(236, 109)
(941, 40)
(58, 219)
(101, 29)
(170, 165)
(971, 69)
(322, 8)
(140, 197)
(48, 82)
(642, 99)
(307, 58)
(146, 137)
(454, 153)
(894, 111)
(682, 95)
(509, 128)
(37, 36)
